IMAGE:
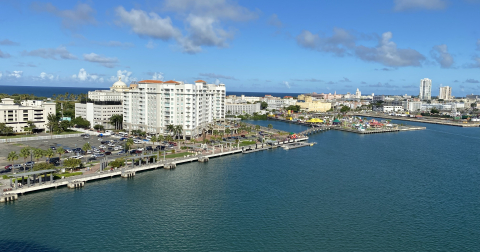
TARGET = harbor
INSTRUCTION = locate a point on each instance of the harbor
(420, 120)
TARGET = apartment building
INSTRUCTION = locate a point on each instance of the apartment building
(17, 116)
(445, 93)
(425, 89)
(99, 112)
(242, 108)
(154, 105)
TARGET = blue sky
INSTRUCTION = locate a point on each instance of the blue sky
(382, 47)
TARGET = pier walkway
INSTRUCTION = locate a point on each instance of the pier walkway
(130, 169)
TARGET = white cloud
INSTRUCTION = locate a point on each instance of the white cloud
(4, 55)
(339, 43)
(72, 19)
(84, 76)
(1, 75)
(125, 75)
(45, 76)
(9, 42)
(150, 44)
(217, 81)
(387, 53)
(286, 84)
(203, 21)
(16, 74)
(104, 61)
(442, 56)
(217, 76)
(147, 24)
(273, 20)
(158, 76)
(405, 5)
(51, 53)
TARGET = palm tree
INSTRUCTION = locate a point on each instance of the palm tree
(154, 139)
(257, 127)
(160, 138)
(116, 120)
(270, 126)
(129, 143)
(60, 152)
(31, 126)
(49, 153)
(52, 122)
(37, 154)
(12, 156)
(228, 131)
(179, 130)
(24, 153)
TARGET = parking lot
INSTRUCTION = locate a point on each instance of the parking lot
(71, 143)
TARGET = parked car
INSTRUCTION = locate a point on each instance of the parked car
(77, 157)
(123, 139)
(54, 160)
(108, 153)
(138, 151)
(92, 158)
(133, 151)
(149, 148)
(121, 152)
(242, 135)
(29, 164)
(102, 146)
(53, 148)
(8, 167)
(99, 155)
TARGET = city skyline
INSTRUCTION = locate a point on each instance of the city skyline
(385, 47)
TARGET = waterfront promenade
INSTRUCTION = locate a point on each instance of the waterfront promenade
(420, 120)
(12, 192)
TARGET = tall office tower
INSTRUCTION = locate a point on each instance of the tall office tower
(445, 93)
(425, 89)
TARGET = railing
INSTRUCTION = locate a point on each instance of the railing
(23, 139)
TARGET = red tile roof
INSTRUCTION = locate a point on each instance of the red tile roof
(170, 81)
(150, 81)
(200, 81)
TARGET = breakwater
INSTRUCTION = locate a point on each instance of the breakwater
(420, 120)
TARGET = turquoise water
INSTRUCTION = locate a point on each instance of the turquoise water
(409, 191)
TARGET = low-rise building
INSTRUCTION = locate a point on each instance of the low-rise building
(314, 106)
(17, 116)
(242, 108)
(412, 106)
(99, 113)
(392, 108)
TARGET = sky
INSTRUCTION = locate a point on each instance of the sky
(377, 46)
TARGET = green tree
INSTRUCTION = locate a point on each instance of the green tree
(99, 127)
(52, 122)
(257, 127)
(171, 129)
(24, 153)
(43, 166)
(160, 138)
(129, 143)
(344, 109)
(86, 147)
(119, 162)
(12, 156)
(270, 126)
(49, 153)
(263, 105)
(5, 130)
(116, 120)
(31, 126)
(64, 125)
(72, 163)
(434, 111)
(60, 152)
(179, 130)
(228, 131)
(154, 139)
(37, 154)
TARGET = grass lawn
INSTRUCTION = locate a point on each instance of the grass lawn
(177, 155)
(245, 143)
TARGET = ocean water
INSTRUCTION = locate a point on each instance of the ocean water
(408, 191)
(49, 91)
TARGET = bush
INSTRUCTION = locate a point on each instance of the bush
(43, 166)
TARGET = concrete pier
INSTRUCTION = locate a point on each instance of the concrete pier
(8, 197)
(76, 184)
(128, 174)
(203, 159)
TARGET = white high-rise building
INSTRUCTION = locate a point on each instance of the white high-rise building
(425, 89)
(156, 104)
(17, 116)
(445, 93)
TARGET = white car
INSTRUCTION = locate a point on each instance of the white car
(140, 149)
(100, 139)
(102, 146)
(137, 142)
(116, 148)
(77, 157)
(89, 152)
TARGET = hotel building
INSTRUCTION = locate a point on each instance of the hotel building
(17, 116)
